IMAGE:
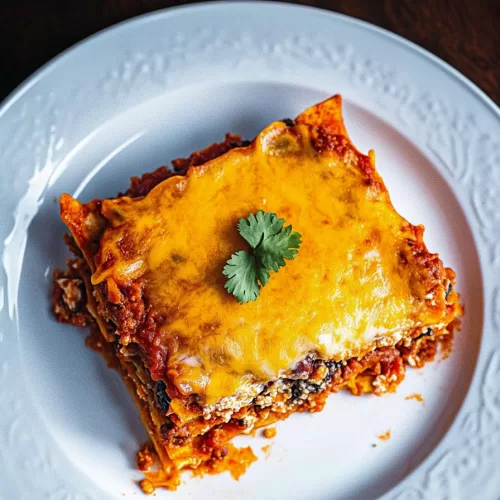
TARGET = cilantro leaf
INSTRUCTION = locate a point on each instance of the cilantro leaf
(243, 271)
(262, 273)
(258, 227)
(271, 243)
(273, 251)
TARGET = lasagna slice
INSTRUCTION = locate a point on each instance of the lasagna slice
(362, 298)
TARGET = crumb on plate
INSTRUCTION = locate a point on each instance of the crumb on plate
(416, 396)
(269, 432)
(385, 436)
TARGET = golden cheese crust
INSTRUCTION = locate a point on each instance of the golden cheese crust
(363, 277)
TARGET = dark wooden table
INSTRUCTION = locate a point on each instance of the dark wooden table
(464, 33)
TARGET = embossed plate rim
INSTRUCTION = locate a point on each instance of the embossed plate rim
(24, 86)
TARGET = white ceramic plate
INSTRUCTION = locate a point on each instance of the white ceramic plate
(158, 87)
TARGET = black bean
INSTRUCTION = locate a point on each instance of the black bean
(162, 398)
(165, 428)
(427, 332)
(296, 389)
(288, 122)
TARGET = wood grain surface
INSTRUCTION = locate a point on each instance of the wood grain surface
(466, 34)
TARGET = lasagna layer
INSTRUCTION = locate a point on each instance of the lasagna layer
(363, 297)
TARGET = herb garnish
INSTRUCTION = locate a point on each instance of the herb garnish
(271, 244)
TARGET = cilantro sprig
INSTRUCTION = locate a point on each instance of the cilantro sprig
(271, 244)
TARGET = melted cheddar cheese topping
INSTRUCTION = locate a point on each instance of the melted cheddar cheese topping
(353, 282)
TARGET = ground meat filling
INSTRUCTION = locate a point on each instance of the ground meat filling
(69, 297)
(141, 186)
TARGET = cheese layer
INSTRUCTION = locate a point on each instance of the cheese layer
(355, 279)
